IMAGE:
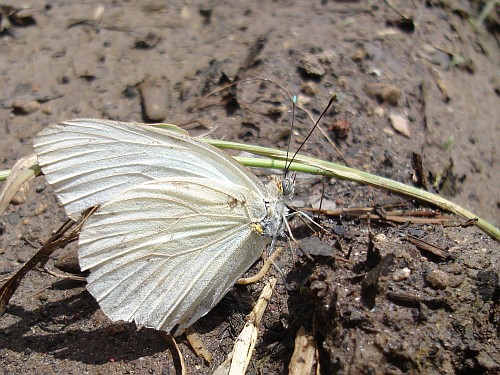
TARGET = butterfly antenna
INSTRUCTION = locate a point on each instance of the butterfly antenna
(291, 133)
(333, 99)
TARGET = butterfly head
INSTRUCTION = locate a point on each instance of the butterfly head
(287, 186)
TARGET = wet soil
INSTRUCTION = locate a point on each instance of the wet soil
(413, 81)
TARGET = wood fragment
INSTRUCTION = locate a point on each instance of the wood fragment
(418, 168)
(429, 248)
(404, 299)
(375, 213)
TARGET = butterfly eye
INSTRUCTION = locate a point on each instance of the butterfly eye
(287, 186)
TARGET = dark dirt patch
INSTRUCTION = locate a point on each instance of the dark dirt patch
(379, 306)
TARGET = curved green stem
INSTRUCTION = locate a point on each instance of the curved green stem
(278, 159)
(310, 165)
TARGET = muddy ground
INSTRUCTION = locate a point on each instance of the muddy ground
(426, 85)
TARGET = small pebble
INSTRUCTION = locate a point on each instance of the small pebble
(43, 296)
(68, 262)
(19, 197)
(311, 66)
(185, 13)
(41, 208)
(47, 110)
(315, 247)
(23, 106)
(359, 55)
(379, 112)
(438, 279)
(340, 129)
(375, 72)
(154, 93)
(309, 88)
(401, 274)
(385, 92)
(302, 100)
(39, 188)
(339, 230)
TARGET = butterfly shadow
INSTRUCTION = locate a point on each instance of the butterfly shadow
(74, 328)
(65, 329)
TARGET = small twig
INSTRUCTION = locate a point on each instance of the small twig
(238, 360)
(63, 275)
(414, 217)
(190, 109)
(430, 248)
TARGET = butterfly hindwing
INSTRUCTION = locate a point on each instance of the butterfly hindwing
(163, 253)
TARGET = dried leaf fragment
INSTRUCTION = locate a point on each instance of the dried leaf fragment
(400, 124)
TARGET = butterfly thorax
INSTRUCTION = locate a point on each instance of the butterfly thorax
(279, 191)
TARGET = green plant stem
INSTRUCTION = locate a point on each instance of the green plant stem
(277, 159)
(4, 174)
(320, 167)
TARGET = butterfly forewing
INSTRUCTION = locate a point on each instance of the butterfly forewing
(90, 161)
(164, 253)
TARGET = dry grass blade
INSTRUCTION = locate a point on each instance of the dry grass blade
(171, 341)
(68, 233)
(304, 352)
(24, 170)
(238, 360)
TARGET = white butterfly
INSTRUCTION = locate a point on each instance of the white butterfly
(180, 221)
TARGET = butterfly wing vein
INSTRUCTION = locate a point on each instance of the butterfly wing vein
(157, 256)
(88, 161)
